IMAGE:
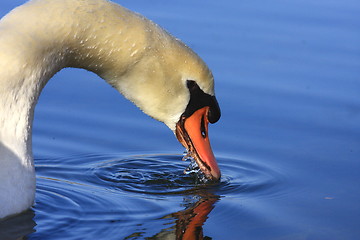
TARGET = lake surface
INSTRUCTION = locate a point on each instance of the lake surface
(288, 143)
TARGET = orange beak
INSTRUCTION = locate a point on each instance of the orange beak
(192, 133)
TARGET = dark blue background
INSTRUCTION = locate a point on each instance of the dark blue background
(288, 82)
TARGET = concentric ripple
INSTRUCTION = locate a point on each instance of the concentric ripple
(163, 175)
(104, 193)
(247, 179)
(158, 174)
(147, 174)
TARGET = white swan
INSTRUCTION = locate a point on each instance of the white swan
(155, 71)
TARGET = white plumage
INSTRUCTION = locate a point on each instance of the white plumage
(134, 55)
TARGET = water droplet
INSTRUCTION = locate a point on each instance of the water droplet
(187, 155)
(193, 168)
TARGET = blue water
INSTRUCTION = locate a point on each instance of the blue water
(288, 143)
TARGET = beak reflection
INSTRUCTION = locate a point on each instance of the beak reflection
(190, 221)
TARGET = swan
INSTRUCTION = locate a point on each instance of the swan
(155, 71)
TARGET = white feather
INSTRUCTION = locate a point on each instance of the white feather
(39, 38)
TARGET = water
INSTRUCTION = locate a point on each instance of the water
(288, 83)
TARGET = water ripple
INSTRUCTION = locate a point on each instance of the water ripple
(159, 174)
(244, 178)
(147, 174)
(86, 193)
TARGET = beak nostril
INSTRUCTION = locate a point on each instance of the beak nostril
(203, 134)
(203, 128)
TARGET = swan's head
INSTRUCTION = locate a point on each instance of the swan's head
(192, 128)
(164, 78)
(169, 82)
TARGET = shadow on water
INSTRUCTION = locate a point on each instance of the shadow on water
(17, 227)
(133, 197)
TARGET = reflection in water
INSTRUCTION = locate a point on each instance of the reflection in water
(190, 221)
(188, 224)
(133, 197)
(152, 175)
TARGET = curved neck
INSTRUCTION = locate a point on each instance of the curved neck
(96, 35)
(141, 60)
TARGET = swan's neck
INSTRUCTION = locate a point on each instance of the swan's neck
(23, 75)
(31, 52)
(96, 35)
(142, 61)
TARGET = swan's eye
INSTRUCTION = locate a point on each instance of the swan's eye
(202, 128)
